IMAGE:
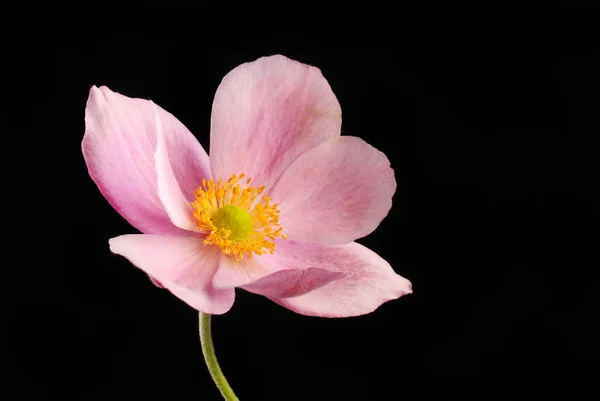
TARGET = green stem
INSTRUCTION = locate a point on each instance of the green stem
(211, 360)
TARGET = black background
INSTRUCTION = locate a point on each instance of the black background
(491, 130)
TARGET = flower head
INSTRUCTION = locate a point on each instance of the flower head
(276, 208)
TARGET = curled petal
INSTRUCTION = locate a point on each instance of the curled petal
(364, 281)
(176, 204)
(119, 147)
(268, 112)
(183, 265)
(292, 283)
(336, 192)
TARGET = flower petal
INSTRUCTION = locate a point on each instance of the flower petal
(235, 274)
(232, 273)
(119, 147)
(366, 281)
(292, 283)
(183, 265)
(176, 205)
(335, 193)
(268, 112)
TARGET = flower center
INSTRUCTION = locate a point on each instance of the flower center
(235, 218)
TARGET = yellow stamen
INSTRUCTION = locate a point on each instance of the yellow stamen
(235, 218)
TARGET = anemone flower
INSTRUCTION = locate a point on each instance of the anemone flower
(274, 210)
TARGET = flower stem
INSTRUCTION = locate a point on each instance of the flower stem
(211, 360)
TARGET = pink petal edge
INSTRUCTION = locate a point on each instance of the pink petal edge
(176, 205)
(366, 281)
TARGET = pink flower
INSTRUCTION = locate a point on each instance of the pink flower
(286, 233)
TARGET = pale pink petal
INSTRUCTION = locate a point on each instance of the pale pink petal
(183, 265)
(366, 281)
(232, 273)
(176, 204)
(335, 193)
(119, 146)
(292, 283)
(268, 112)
